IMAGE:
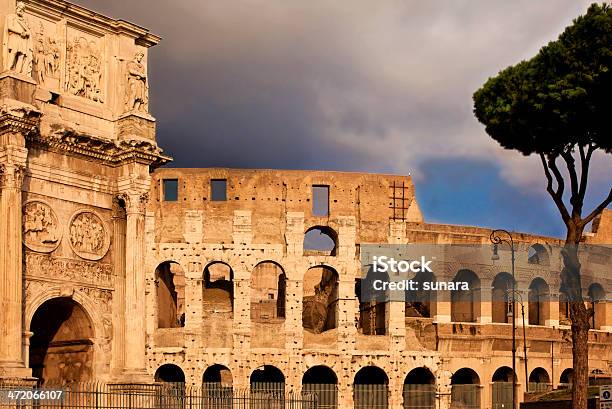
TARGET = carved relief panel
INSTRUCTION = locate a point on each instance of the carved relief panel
(47, 54)
(41, 230)
(89, 235)
(84, 76)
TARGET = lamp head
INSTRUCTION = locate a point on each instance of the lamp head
(495, 256)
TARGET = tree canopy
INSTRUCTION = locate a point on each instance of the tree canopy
(558, 99)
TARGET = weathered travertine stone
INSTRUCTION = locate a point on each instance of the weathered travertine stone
(223, 287)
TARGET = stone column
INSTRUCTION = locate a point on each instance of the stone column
(12, 168)
(135, 364)
(553, 310)
(486, 302)
(119, 231)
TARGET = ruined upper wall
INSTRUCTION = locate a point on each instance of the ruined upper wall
(271, 194)
(88, 71)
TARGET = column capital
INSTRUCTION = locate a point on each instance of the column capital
(135, 202)
(11, 176)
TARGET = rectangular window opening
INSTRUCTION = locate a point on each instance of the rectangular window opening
(170, 187)
(218, 190)
(320, 200)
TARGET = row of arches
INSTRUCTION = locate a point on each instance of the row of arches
(321, 296)
(267, 293)
(371, 384)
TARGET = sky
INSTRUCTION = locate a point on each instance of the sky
(367, 86)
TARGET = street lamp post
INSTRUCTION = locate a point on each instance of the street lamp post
(520, 301)
(497, 238)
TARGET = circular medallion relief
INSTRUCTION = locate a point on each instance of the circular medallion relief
(41, 230)
(89, 236)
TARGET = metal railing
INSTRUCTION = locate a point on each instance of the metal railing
(156, 396)
(371, 396)
(465, 397)
(419, 396)
(327, 394)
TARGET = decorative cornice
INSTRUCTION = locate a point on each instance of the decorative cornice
(113, 152)
(19, 119)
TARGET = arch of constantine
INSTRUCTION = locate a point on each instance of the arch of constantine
(115, 268)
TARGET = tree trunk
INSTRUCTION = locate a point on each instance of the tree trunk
(579, 315)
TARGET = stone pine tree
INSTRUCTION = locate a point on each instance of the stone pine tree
(557, 105)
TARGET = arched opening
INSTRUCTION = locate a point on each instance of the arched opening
(539, 381)
(564, 308)
(373, 303)
(501, 303)
(537, 254)
(320, 240)
(420, 389)
(217, 305)
(539, 311)
(267, 381)
(421, 303)
(320, 302)
(465, 389)
(217, 377)
(371, 388)
(501, 390)
(268, 292)
(170, 283)
(169, 373)
(567, 378)
(465, 304)
(323, 381)
(61, 347)
(597, 297)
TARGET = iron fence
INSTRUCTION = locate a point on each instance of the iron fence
(327, 394)
(539, 387)
(371, 396)
(465, 397)
(156, 396)
(419, 396)
(501, 395)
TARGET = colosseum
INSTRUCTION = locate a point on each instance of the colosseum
(116, 268)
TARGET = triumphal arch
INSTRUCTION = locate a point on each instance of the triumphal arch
(116, 269)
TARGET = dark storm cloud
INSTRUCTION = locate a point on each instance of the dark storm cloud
(362, 85)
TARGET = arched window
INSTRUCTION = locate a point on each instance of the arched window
(267, 379)
(564, 307)
(539, 310)
(421, 303)
(170, 283)
(465, 304)
(537, 254)
(268, 292)
(501, 390)
(597, 297)
(218, 289)
(320, 302)
(373, 303)
(323, 381)
(420, 389)
(169, 373)
(320, 240)
(465, 389)
(566, 378)
(217, 377)
(539, 381)
(502, 298)
(371, 388)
